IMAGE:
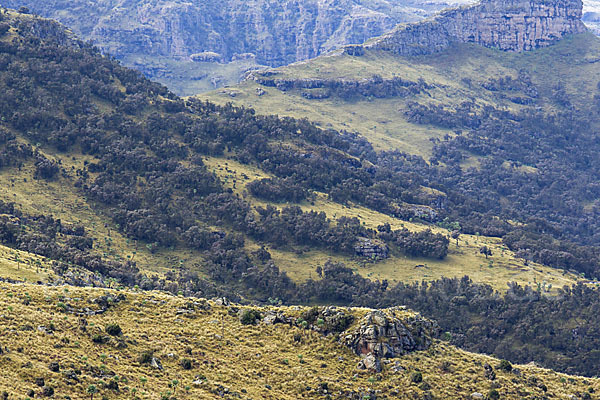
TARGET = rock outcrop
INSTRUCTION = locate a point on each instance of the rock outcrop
(510, 25)
(276, 32)
(383, 334)
(372, 249)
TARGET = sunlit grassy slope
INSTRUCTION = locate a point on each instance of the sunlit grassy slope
(464, 259)
(456, 73)
(228, 360)
(61, 199)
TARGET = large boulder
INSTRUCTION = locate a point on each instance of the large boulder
(373, 249)
(384, 334)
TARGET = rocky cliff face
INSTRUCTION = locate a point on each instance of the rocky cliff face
(510, 25)
(273, 32)
(199, 45)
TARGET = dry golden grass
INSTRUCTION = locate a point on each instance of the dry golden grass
(250, 362)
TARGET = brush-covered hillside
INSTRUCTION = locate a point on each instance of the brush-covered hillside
(509, 138)
(67, 342)
(111, 180)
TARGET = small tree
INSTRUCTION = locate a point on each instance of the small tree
(455, 235)
(92, 390)
(486, 251)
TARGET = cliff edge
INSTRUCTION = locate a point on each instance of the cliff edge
(509, 25)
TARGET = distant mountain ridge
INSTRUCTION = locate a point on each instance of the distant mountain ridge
(163, 38)
(275, 32)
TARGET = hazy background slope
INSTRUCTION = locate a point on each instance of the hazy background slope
(196, 46)
(200, 45)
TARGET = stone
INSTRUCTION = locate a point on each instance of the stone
(155, 363)
(71, 374)
(222, 301)
(489, 372)
(397, 367)
(370, 248)
(370, 363)
(509, 25)
(206, 56)
(386, 336)
(477, 395)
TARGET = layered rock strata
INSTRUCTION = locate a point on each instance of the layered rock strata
(509, 25)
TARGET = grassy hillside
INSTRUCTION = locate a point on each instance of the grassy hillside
(116, 182)
(226, 359)
(506, 130)
(464, 259)
(456, 75)
(64, 199)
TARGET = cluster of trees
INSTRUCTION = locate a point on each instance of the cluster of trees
(376, 86)
(70, 245)
(278, 190)
(420, 244)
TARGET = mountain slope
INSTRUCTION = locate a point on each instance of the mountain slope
(503, 141)
(114, 181)
(197, 46)
(92, 158)
(145, 345)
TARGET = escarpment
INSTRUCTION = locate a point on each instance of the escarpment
(509, 25)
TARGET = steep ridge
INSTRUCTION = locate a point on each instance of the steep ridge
(513, 25)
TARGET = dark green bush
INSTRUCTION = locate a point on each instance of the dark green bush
(145, 357)
(416, 377)
(186, 363)
(250, 317)
(113, 329)
(100, 339)
(505, 366)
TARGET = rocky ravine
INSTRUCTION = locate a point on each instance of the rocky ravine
(510, 25)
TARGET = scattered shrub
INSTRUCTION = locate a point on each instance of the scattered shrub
(113, 329)
(186, 363)
(416, 377)
(146, 357)
(505, 366)
(100, 339)
(250, 317)
(54, 366)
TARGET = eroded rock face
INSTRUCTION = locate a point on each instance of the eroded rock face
(384, 335)
(510, 25)
(275, 32)
(372, 249)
